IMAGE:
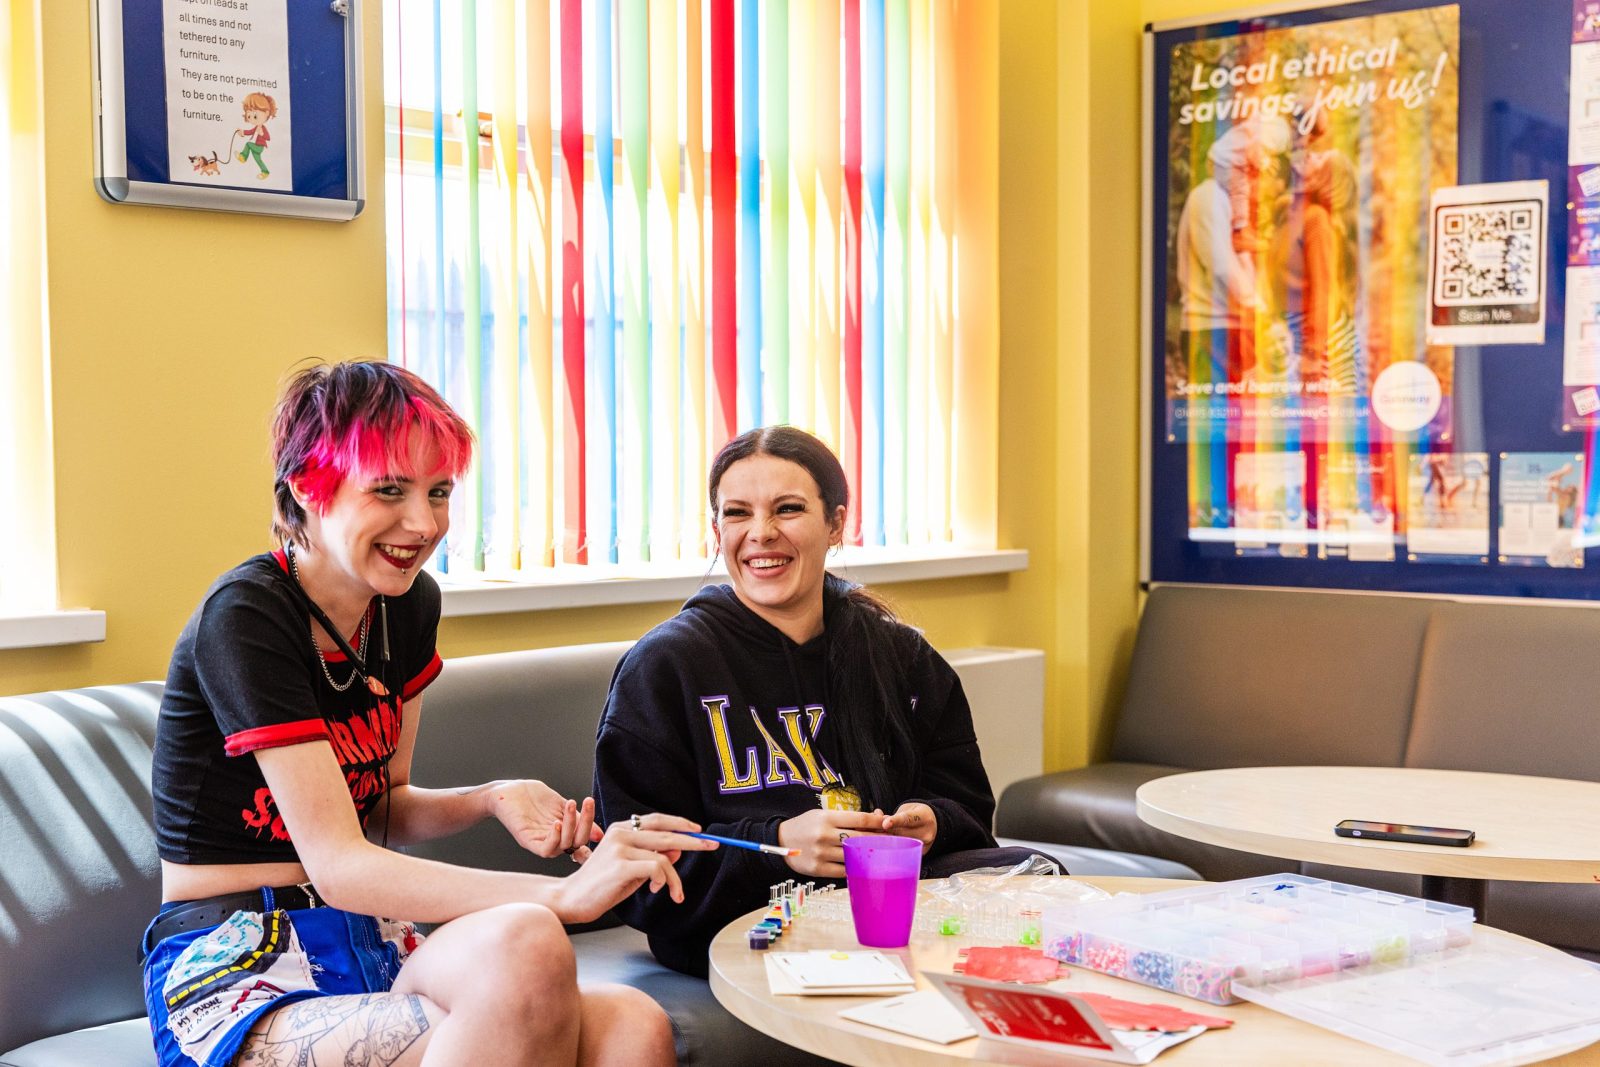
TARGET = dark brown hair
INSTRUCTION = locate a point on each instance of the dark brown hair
(868, 648)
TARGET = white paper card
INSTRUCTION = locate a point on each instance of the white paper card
(926, 1015)
(1486, 264)
(228, 108)
(782, 981)
(1583, 122)
(1581, 362)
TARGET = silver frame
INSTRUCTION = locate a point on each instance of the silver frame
(111, 148)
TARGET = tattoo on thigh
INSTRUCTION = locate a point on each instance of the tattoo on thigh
(372, 1030)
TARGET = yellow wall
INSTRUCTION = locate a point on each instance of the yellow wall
(170, 331)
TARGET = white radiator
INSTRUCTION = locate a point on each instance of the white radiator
(1005, 687)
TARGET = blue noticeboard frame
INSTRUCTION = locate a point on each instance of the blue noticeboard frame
(1513, 125)
(325, 73)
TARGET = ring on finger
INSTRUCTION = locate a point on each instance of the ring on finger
(634, 820)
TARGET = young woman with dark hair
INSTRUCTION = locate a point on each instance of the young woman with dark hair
(768, 709)
(283, 744)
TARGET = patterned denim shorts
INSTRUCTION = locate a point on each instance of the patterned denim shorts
(205, 988)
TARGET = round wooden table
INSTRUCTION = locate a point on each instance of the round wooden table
(739, 982)
(1528, 829)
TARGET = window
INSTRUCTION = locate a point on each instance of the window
(621, 232)
(27, 536)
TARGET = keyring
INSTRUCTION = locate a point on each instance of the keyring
(634, 820)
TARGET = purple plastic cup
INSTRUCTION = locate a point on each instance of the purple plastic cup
(882, 875)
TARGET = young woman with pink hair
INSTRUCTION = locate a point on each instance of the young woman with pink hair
(282, 771)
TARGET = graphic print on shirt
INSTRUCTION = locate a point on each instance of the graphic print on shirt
(362, 744)
(798, 765)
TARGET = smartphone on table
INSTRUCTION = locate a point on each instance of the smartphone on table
(1399, 831)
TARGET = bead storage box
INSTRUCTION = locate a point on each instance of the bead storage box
(1197, 941)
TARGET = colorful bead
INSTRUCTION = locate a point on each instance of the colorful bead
(1068, 948)
(1154, 968)
(1390, 949)
(1109, 957)
(1212, 984)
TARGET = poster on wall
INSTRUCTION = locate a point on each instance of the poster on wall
(1389, 392)
(1270, 512)
(1580, 374)
(1541, 509)
(1355, 524)
(1300, 166)
(228, 109)
(1447, 507)
(1580, 369)
(231, 105)
(1486, 264)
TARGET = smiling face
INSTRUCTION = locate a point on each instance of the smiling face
(774, 533)
(372, 536)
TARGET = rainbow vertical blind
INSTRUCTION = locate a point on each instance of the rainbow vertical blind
(621, 232)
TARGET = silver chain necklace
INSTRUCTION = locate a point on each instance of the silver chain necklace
(361, 647)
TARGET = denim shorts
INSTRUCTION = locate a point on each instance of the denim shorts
(205, 988)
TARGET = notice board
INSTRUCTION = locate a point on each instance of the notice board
(1372, 298)
(230, 105)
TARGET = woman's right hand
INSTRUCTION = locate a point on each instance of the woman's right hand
(819, 835)
(625, 859)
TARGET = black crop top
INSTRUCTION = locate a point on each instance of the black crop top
(245, 676)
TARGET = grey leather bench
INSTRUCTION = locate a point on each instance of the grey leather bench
(79, 875)
(1248, 677)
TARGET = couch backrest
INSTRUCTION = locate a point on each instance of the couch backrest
(78, 872)
(1510, 688)
(79, 877)
(1253, 677)
(529, 714)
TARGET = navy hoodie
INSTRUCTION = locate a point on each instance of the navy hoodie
(714, 715)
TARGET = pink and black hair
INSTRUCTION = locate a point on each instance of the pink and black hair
(337, 419)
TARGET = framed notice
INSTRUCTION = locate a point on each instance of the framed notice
(230, 105)
(1371, 329)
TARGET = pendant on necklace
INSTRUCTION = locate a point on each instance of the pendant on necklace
(377, 686)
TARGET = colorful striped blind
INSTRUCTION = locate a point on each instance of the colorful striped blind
(623, 231)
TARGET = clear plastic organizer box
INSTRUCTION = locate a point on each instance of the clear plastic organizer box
(1196, 941)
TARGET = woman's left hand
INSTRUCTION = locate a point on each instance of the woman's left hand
(543, 821)
(913, 819)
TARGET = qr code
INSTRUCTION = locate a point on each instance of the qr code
(1488, 253)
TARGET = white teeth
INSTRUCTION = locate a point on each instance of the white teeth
(399, 553)
(766, 564)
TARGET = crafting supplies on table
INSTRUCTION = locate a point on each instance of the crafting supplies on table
(1396, 971)
(1199, 940)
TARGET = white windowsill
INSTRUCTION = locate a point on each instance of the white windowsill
(52, 628)
(593, 586)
